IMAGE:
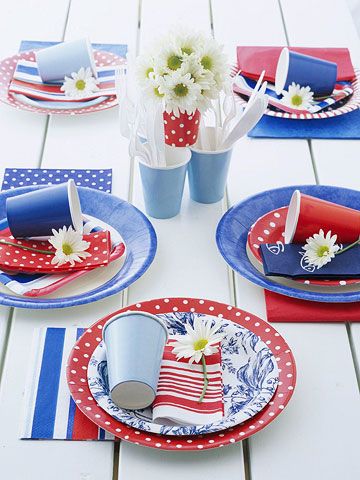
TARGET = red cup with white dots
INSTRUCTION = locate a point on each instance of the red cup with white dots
(181, 131)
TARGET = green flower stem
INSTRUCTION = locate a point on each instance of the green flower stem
(348, 247)
(206, 380)
(23, 247)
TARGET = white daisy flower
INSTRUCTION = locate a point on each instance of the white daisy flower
(181, 92)
(320, 249)
(151, 90)
(69, 245)
(188, 41)
(299, 98)
(81, 84)
(144, 69)
(200, 340)
(213, 59)
(169, 58)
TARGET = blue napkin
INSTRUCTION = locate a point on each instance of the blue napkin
(117, 49)
(343, 127)
(25, 177)
(281, 260)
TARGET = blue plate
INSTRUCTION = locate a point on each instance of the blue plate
(233, 228)
(136, 230)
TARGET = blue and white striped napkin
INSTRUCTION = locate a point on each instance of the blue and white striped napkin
(50, 412)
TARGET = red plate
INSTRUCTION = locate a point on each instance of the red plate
(8, 66)
(270, 228)
(81, 353)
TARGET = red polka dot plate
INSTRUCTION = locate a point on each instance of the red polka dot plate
(8, 66)
(270, 229)
(85, 346)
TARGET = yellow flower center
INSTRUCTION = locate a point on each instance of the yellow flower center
(206, 62)
(181, 90)
(187, 50)
(323, 251)
(200, 344)
(157, 93)
(80, 84)
(174, 62)
(296, 100)
(148, 71)
(67, 249)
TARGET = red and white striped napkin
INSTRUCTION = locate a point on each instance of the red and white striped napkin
(179, 389)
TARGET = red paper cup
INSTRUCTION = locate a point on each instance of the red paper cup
(181, 131)
(307, 215)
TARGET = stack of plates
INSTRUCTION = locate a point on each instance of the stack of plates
(261, 219)
(258, 374)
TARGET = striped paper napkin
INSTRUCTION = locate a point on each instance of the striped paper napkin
(50, 412)
(179, 389)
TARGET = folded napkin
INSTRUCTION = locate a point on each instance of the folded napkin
(179, 389)
(49, 411)
(118, 49)
(288, 261)
(253, 60)
(342, 91)
(346, 127)
(280, 308)
(19, 260)
(24, 177)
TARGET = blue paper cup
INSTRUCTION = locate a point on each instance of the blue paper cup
(208, 171)
(35, 214)
(163, 186)
(58, 61)
(319, 75)
(135, 344)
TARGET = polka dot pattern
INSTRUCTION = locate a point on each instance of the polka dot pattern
(181, 131)
(90, 339)
(272, 226)
(24, 177)
(8, 66)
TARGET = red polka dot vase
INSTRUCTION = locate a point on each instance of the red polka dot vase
(181, 131)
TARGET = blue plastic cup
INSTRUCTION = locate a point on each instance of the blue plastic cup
(135, 344)
(58, 61)
(35, 214)
(320, 75)
(163, 186)
(208, 171)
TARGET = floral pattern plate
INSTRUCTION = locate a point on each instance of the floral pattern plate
(270, 229)
(249, 376)
(79, 358)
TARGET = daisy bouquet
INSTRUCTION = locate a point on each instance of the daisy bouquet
(184, 72)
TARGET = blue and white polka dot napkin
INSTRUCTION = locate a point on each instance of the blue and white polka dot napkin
(25, 177)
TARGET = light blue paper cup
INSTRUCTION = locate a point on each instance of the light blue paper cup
(320, 75)
(135, 344)
(208, 171)
(58, 61)
(163, 186)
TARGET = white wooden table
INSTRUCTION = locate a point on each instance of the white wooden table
(317, 435)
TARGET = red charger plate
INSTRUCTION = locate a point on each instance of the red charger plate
(80, 355)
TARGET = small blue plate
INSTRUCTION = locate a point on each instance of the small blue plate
(233, 228)
(136, 230)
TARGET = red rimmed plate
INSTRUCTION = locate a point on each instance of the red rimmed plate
(8, 66)
(270, 228)
(80, 355)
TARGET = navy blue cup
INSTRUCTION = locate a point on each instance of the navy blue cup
(163, 186)
(35, 214)
(135, 344)
(208, 171)
(320, 75)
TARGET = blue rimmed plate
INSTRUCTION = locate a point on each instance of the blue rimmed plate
(135, 229)
(233, 229)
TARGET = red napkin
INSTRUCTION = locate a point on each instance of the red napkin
(281, 308)
(253, 60)
(18, 260)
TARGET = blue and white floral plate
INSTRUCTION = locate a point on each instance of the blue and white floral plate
(249, 375)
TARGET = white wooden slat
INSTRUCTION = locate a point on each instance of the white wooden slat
(302, 432)
(91, 141)
(186, 263)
